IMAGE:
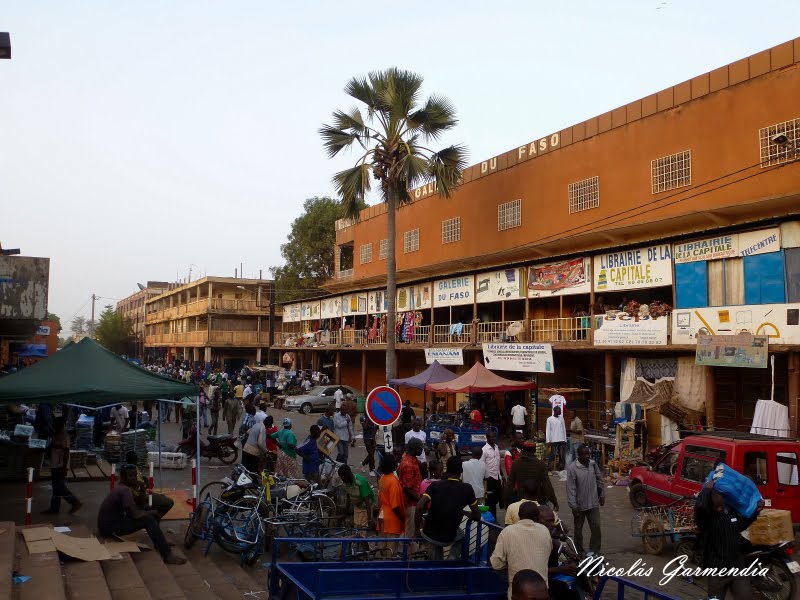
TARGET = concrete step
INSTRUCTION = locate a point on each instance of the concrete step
(44, 570)
(84, 580)
(193, 584)
(7, 540)
(221, 583)
(123, 579)
(157, 577)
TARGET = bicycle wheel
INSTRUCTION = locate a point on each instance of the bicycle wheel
(214, 489)
(194, 529)
(325, 510)
(239, 528)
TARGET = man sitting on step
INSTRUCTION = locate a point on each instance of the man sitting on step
(119, 515)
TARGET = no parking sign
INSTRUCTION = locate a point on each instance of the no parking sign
(383, 407)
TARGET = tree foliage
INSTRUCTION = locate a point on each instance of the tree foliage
(114, 330)
(308, 251)
(392, 138)
(78, 325)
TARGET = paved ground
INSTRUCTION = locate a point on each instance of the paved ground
(620, 548)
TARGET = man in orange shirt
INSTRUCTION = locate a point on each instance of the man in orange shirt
(390, 496)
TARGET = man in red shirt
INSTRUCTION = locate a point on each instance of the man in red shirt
(410, 479)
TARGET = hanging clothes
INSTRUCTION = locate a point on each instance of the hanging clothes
(373, 330)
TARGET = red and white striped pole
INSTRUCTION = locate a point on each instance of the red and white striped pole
(150, 488)
(113, 475)
(29, 499)
(194, 485)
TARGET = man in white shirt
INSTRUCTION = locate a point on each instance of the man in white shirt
(338, 396)
(519, 414)
(416, 432)
(556, 438)
(475, 473)
(495, 474)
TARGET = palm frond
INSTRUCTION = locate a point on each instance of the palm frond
(445, 167)
(362, 90)
(352, 186)
(437, 116)
(401, 92)
(351, 121)
(335, 140)
(412, 169)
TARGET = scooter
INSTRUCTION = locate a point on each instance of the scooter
(222, 447)
(568, 586)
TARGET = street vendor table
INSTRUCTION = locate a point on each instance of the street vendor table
(601, 443)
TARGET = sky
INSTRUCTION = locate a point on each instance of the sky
(160, 140)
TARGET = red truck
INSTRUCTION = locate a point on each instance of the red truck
(772, 464)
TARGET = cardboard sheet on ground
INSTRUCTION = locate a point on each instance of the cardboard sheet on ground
(137, 539)
(182, 507)
(115, 549)
(35, 534)
(41, 546)
(82, 548)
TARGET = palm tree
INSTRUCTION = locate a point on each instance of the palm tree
(391, 138)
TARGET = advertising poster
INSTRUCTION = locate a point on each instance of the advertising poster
(309, 311)
(445, 356)
(377, 302)
(748, 243)
(745, 351)
(531, 358)
(454, 291)
(779, 322)
(331, 308)
(627, 331)
(633, 269)
(291, 313)
(559, 279)
(494, 286)
(414, 297)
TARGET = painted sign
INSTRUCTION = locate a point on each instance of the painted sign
(531, 358)
(377, 302)
(383, 405)
(454, 291)
(779, 322)
(331, 308)
(414, 297)
(506, 284)
(624, 330)
(633, 269)
(746, 350)
(291, 313)
(445, 356)
(732, 245)
(559, 279)
(309, 311)
(354, 304)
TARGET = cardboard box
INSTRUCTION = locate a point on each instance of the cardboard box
(771, 527)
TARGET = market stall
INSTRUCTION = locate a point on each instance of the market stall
(435, 373)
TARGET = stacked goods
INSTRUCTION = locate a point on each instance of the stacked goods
(84, 435)
(772, 527)
(77, 459)
(111, 451)
(739, 492)
(135, 441)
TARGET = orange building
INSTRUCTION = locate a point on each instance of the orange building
(615, 241)
(132, 308)
(42, 344)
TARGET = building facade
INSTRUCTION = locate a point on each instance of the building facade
(214, 320)
(132, 308)
(616, 241)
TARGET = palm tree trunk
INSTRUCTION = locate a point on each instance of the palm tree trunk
(391, 284)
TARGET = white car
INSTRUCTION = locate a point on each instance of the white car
(317, 398)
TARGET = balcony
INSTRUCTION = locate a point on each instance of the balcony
(562, 329)
(239, 305)
(455, 333)
(215, 337)
(497, 331)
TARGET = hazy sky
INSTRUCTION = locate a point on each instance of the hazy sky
(141, 139)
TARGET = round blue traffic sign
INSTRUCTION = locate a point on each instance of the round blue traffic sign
(383, 405)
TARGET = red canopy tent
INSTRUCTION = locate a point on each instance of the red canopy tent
(479, 379)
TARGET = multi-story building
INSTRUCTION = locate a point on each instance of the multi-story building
(686, 201)
(132, 308)
(216, 320)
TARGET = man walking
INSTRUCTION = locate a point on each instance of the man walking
(530, 468)
(416, 433)
(343, 428)
(232, 408)
(309, 452)
(369, 431)
(490, 457)
(575, 434)
(585, 496)
(475, 474)
(214, 407)
(59, 463)
(556, 438)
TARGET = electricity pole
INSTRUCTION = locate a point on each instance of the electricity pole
(94, 297)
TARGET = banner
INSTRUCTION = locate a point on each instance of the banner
(377, 302)
(331, 308)
(531, 358)
(732, 245)
(748, 351)
(309, 311)
(626, 331)
(291, 313)
(454, 291)
(779, 322)
(499, 285)
(633, 269)
(559, 279)
(445, 356)
(414, 297)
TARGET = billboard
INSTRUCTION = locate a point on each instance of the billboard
(624, 330)
(749, 243)
(779, 322)
(559, 279)
(633, 269)
(749, 351)
(24, 287)
(532, 358)
(506, 284)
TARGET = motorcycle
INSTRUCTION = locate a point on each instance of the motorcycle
(571, 585)
(222, 447)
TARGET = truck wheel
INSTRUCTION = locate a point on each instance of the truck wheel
(637, 496)
(306, 408)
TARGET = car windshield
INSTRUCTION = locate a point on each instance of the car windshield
(318, 390)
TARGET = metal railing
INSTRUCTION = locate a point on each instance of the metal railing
(455, 333)
(344, 273)
(234, 304)
(561, 329)
(422, 334)
(495, 331)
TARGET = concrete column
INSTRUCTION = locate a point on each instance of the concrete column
(338, 368)
(195, 356)
(207, 357)
(258, 355)
(711, 398)
(794, 393)
(210, 293)
(364, 371)
(609, 383)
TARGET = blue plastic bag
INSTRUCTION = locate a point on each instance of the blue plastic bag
(739, 492)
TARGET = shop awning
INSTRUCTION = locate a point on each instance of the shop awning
(479, 379)
(436, 373)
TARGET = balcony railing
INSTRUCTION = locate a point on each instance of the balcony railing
(422, 334)
(497, 331)
(344, 273)
(234, 304)
(455, 333)
(562, 329)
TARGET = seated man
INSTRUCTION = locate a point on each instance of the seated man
(119, 515)
(161, 503)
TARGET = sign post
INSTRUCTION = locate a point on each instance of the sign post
(383, 407)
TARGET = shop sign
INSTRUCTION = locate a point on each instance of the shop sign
(309, 311)
(745, 350)
(633, 269)
(291, 313)
(779, 322)
(331, 308)
(749, 243)
(454, 291)
(414, 297)
(624, 330)
(43, 330)
(499, 285)
(377, 302)
(445, 356)
(559, 279)
(531, 358)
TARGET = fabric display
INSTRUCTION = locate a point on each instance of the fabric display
(771, 418)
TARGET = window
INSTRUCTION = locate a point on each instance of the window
(411, 241)
(691, 284)
(451, 230)
(698, 461)
(755, 467)
(787, 468)
(383, 251)
(668, 464)
(584, 195)
(726, 282)
(773, 153)
(764, 279)
(509, 215)
(366, 253)
(670, 172)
